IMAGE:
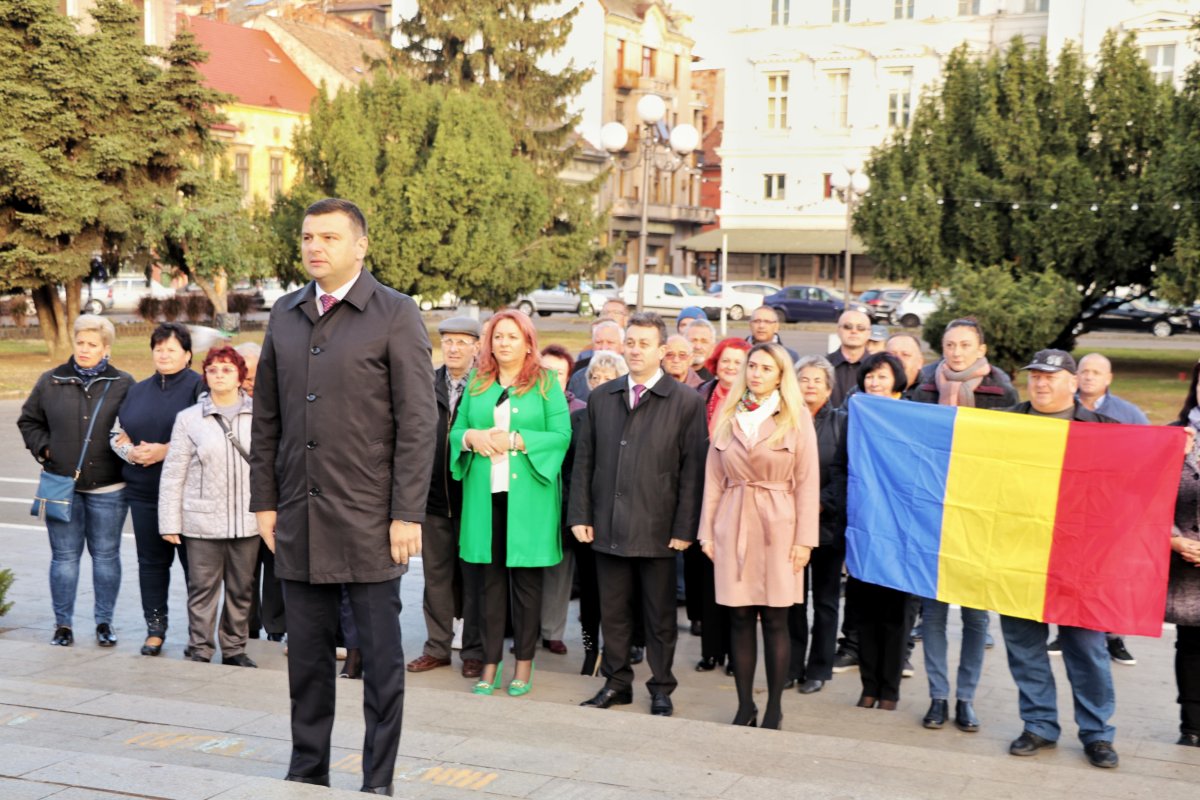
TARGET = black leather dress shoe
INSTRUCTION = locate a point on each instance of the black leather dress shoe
(63, 637)
(315, 780)
(1028, 744)
(105, 637)
(707, 664)
(240, 660)
(609, 697)
(274, 637)
(1189, 740)
(936, 716)
(964, 716)
(661, 705)
(1101, 754)
(637, 655)
(697, 628)
(811, 686)
(388, 790)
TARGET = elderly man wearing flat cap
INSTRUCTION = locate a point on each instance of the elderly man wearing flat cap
(444, 598)
(1052, 386)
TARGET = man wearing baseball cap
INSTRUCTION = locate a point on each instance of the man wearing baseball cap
(1052, 387)
(444, 598)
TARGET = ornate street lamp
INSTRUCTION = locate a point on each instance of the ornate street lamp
(667, 156)
(851, 183)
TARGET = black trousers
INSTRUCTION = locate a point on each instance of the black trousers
(619, 580)
(495, 585)
(312, 622)
(155, 556)
(1187, 677)
(702, 593)
(266, 607)
(589, 594)
(445, 596)
(882, 622)
(823, 582)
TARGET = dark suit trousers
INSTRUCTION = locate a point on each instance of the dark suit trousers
(824, 584)
(494, 584)
(619, 578)
(702, 599)
(312, 622)
(883, 625)
(444, 597)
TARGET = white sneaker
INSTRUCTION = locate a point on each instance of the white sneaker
(458, 629)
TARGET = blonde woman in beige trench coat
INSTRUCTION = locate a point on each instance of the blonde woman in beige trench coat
(760, 518)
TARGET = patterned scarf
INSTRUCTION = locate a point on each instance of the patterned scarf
(87, 373)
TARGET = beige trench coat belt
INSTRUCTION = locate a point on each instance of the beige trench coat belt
(769, 486)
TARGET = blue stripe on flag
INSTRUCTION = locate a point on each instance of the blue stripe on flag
(898, 456)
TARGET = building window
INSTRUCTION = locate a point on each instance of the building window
(903, 9)
(777, 101)
(773, 186)
(676, 82)
(968, 7)
(770, 266)
(899, 98)
(841, 10)
(827, 185)
(839, 98)
(648, 54)
(276, 175)
(833, 268)
(620, 54)
(780, 12)
(241, 168)
(619, 111)
(1037, 6)
(1161, 58)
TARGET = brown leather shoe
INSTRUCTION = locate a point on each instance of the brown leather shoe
(555, 646)
(472, 668)
(425, 662)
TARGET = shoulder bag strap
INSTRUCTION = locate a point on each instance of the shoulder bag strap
(233, 440)
(91, 425)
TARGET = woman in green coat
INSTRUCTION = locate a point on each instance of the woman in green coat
(511, 431)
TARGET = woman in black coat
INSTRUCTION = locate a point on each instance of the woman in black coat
(65, 401)
(825, 565)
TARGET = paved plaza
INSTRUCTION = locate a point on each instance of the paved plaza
(83, 723)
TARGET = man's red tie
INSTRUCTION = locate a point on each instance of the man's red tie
(328, 301)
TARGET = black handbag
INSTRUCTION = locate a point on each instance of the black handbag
(56, 493)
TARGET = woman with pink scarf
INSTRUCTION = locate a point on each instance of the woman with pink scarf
(962, 378)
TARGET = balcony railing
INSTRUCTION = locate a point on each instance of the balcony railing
(663, 212)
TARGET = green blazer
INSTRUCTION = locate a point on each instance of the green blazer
(535, 482)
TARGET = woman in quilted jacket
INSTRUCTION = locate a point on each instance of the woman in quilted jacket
(204, 495)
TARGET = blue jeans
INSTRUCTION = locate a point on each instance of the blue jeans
(970, 657)
(1086, 658)
(97, 520)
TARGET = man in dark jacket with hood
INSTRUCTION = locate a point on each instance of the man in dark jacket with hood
(636, 488)
(345, 428)
(1052, 386)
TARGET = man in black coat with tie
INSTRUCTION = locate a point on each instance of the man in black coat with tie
(636, 489)
(345, 428)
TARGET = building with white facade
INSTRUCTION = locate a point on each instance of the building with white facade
(815, 84)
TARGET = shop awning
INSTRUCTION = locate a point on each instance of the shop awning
(774, 240)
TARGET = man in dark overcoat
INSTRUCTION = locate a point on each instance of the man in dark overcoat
(636, 489)
(345, 426)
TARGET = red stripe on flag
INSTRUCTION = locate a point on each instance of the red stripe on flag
(1111, 549)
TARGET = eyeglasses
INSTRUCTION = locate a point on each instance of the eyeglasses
(764, 322)
(859, 328)
(225, 370)
(448, 344)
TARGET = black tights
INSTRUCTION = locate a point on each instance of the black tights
(743, 650)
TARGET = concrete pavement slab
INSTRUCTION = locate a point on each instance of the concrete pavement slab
(15, 789)
(110, 773)
(17, 759)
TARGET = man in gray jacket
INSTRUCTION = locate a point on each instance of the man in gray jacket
(345, 427)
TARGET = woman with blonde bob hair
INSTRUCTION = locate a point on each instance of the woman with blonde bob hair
(760, 518)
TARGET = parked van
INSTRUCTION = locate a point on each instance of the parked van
(666, 294)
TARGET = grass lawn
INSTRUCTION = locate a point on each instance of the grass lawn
(23, 360)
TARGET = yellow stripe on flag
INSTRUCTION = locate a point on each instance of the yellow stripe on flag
(998, 516)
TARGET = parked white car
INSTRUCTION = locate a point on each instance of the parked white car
(666, 294)
(128, 291)
(915, 308)
(547, 300)
(739, 298)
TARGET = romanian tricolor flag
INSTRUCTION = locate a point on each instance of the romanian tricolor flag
(1034, 517)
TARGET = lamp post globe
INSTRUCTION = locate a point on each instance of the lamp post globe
(684, 139)
(860, 184)
(613, 137)
(651, 109)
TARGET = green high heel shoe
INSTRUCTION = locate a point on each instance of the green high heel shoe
(518, 688)
(483, 687)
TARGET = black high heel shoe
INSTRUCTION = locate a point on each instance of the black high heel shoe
(709, 663)
(591, 663)
(747, 719)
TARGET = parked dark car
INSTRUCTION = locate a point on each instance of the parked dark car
(1141, 314)
(808, 304)
(882, 302)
